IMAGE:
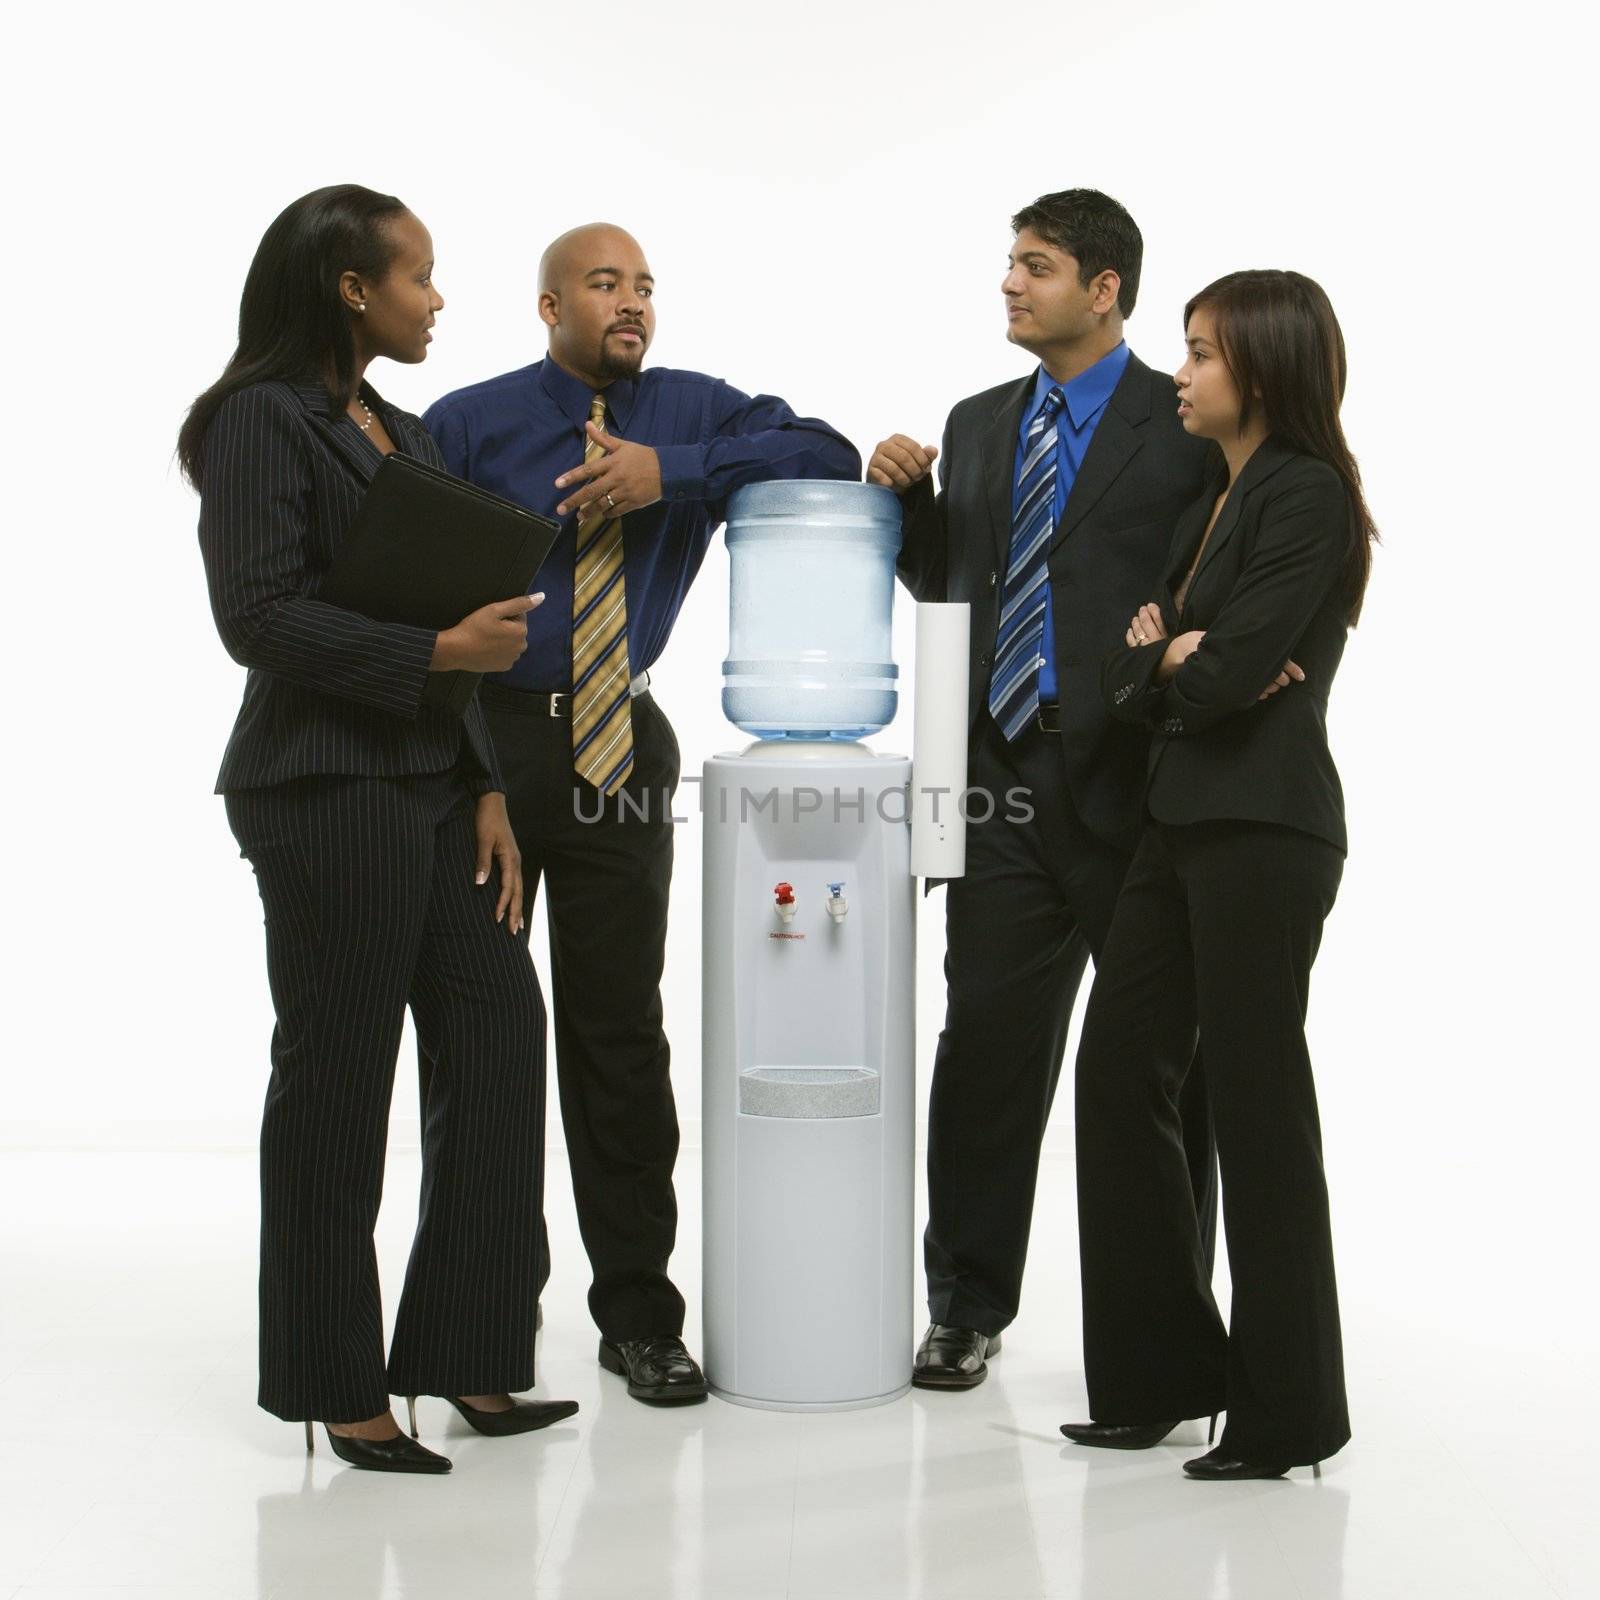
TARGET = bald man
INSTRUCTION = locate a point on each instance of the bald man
(638, 465)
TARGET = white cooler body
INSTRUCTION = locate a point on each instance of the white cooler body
(807, 1112)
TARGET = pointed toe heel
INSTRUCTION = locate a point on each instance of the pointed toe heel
(1217, 1466)
(398, 1454)
(525, 1416)
(1118, 1435)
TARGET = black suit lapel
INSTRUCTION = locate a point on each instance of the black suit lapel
(1118, 438)
(360, 456)
(998, 451)
(1227, 523)
(1266, 460)
(1186, 535)
(354, 451)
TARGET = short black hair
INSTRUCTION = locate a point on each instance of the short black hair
(1095, 230)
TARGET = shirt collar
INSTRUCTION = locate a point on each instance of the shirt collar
(1086, 394)
(573, 397)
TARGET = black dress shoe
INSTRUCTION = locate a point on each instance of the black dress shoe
(524, 1416)
(659, 1370)
(1118, 1435)
(953, 1358)
(1217, 1466)
(398, 1454)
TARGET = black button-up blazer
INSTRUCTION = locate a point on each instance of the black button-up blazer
(328, 690)
(1267, 590)
(1139, 473)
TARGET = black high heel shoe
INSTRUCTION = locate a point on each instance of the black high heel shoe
(398, 1454)
(1125, 1435)
(525, 1416)
(1215, 1467)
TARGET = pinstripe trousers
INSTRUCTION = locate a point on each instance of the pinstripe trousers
(370, 906)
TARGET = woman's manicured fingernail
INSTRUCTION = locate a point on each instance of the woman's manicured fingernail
(483, 877)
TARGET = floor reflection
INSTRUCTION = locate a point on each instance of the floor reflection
(1145, 1530)
(371, 1535)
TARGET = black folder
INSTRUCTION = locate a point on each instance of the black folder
(426, 548)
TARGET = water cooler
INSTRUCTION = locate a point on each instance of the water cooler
(808, 1100)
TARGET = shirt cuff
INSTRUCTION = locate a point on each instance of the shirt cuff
(479, 784)
(683, 471)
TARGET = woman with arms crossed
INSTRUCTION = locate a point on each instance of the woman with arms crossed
(378, 834)
(1221, 913)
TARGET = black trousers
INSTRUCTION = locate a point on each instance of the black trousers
(607, 872)
(1036, 902)
(1217, 927)
(367, 886)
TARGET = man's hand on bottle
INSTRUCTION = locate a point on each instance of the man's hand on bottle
(899, 462)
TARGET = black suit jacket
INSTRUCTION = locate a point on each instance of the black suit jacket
(328, 691)
(1139, 473)
(1268, 589)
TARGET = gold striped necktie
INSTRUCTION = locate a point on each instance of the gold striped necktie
(602, 720)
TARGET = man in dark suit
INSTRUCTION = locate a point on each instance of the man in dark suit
(1059, 492)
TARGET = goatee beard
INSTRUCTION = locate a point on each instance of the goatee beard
(620, 366)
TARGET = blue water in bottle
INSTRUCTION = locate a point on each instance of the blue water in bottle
(812, 594)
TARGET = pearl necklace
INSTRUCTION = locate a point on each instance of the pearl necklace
(365, 427)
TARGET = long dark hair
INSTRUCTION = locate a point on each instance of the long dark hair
(292, 321)
(1285, 350)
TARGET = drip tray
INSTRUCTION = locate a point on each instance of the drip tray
(809, 1092)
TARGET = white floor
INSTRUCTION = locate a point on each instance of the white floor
(133, 1461)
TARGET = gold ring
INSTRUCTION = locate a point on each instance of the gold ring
(611, 505)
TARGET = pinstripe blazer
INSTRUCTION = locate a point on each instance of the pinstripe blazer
(328, 690)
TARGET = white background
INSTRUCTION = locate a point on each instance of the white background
(823, 193)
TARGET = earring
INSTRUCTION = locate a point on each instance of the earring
(362, 307)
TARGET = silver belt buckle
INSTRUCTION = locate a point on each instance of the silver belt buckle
(559, 703)
(638, 686)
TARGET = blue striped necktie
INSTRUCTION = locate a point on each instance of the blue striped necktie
(1014, 684)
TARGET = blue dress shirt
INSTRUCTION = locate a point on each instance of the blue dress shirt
(516, 434)
(1086, 399)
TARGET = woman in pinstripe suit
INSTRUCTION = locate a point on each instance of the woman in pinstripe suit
(377, 830)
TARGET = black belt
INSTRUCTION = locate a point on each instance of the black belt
(539, 704)
(1049, 719)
